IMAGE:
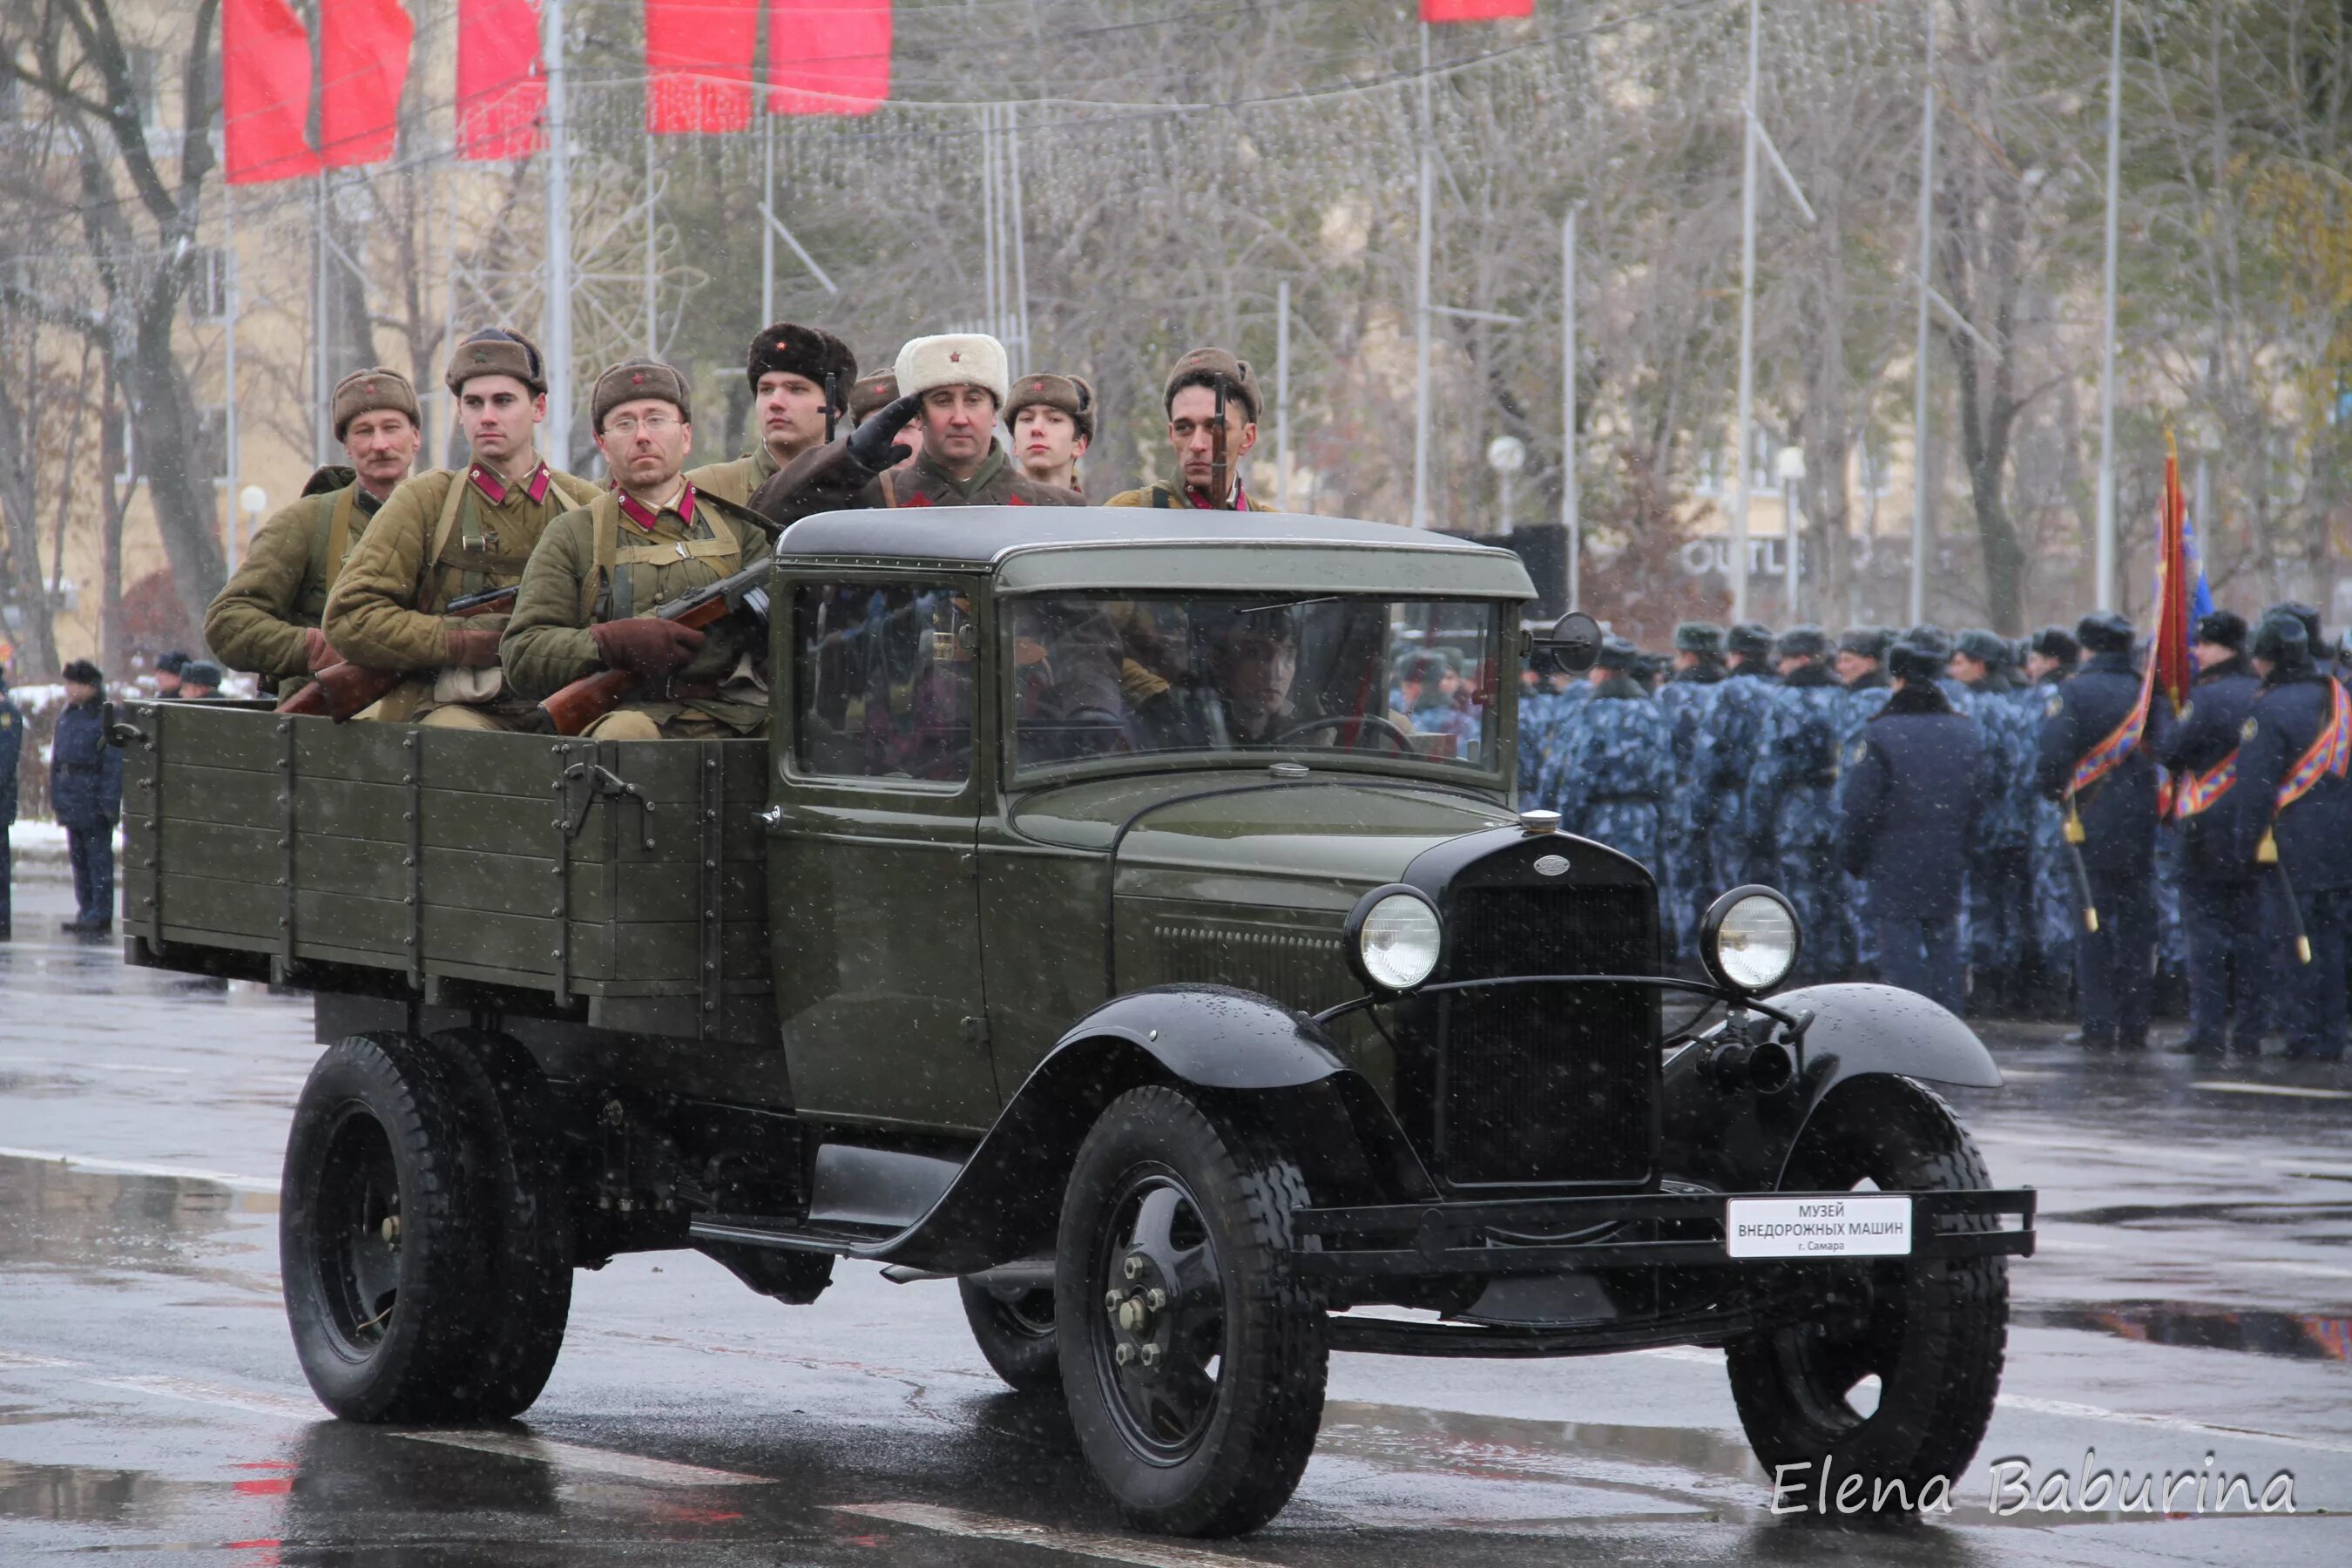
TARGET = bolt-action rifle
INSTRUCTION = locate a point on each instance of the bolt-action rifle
(590, 698)
(341, 691)
(1221, 469)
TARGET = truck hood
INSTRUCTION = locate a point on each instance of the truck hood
(1308, 846)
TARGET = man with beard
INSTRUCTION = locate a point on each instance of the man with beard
(267, 619)
(800, 378)
(2221, 893)
(952, 388)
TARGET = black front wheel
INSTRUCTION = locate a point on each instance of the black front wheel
(1885, 1368)
(1192, 1358)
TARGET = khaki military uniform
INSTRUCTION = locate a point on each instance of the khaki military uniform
(1163, 495)
(442, 534)
(613, 559)
(735, 480)
(829, 479)
(281, 588)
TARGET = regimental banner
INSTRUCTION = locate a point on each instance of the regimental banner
(264, 92)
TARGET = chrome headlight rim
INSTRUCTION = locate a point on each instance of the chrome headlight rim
(1352, 937)
(1710, 931)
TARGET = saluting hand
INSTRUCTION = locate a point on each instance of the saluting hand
(875, 443)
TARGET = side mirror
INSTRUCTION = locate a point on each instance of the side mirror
(1575, 641)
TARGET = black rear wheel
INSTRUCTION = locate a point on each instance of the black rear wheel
(1192, 1358)
(1015, 1331)
(1886, 1368)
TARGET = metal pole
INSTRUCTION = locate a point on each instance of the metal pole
(321, 388)
(1282, 395)
(653, 286)
(1019, 248)
(1921, 492)
(1794, 522)
(1571, 504)
(229, 374)
(988, 289)
(768, 230)
(556, 441)
(1747, 334)
(1420, 306)
(2104, 563)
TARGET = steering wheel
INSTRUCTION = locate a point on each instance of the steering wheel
(1387, 729)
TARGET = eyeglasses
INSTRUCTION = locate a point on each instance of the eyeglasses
(652, 424)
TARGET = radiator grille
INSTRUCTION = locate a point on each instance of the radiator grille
(1548, 1083)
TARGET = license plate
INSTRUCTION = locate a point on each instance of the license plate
(1861, 1225)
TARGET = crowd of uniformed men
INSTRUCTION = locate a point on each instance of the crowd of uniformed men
(1951, 814)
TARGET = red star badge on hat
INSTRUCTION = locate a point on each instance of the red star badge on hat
(955, 356)
(636, 378)
(367, 388)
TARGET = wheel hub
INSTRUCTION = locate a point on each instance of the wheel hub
(1162, 1334)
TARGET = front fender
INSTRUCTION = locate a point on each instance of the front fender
(1741, 1140)
(1268, 1072)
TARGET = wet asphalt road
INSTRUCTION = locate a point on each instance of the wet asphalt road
(2193, 1297)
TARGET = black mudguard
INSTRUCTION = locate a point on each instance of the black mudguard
(1241, 1055)
(1740, 1141)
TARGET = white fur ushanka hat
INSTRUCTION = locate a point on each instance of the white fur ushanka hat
(955, 359)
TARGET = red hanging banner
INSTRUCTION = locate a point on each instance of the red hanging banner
(1440, 11)
(2174, 668)
(828, 57)
(264, 92)
(699, 65)
(363, 61)
(501, 86)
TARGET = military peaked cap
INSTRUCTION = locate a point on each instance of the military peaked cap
(1073, 394)
(633, 379)
(787, 348)
(371, 391)
(1207, 367)
(2104, 631)
(1749, 639)
(1802, 642)
(494, 351)
(1698, 637)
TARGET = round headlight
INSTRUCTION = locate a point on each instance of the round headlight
(1394, 937)
(1749, 939)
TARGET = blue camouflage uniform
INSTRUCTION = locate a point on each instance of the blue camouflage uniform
(2230, 957)
(1865, 696)
(1908, 799)
(1536, 701)
(1686, 700)
(1791, 801)
(1723, 754)
(2111, 964)
(2313, 833)
(2000, 852)
(1608, 778)
(2056, 913)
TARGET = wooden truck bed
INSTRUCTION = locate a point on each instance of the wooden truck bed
(622, 884)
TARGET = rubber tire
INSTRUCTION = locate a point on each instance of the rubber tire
(531, 1303)
(427, 1367)
(1275, 1360)
(1029, 1362)
(1931, 1417)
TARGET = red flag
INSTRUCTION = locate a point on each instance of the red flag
(699, 65)
(828, 57)
(363, 60)
(264, 92)
(1436, 11)
(2174, 671)
(501, 86)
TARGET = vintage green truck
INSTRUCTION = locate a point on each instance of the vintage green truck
(1099, 927)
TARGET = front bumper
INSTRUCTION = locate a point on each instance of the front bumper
(1669, 1230)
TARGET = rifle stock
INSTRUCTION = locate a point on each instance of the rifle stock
(341, 691)
(576, 707)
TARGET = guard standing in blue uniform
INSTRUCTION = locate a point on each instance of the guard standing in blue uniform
(2050, 656)
(2220, 894)
(2293, 761)
(1907, 802)
(1792, 793)
(2094, 767)
(1861, 668)
(1686, 700)
(86, 792)
(1726, 750)
(1608, 777)
(2000, 864)
(1536, 701)
(12, 747)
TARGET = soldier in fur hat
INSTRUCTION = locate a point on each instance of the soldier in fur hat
(267, 619)
(952, 388)
(1209, 470)
(453, 532)
(1052, 418)
(800, 377)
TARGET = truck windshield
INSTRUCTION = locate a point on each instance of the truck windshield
(1104, 675)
